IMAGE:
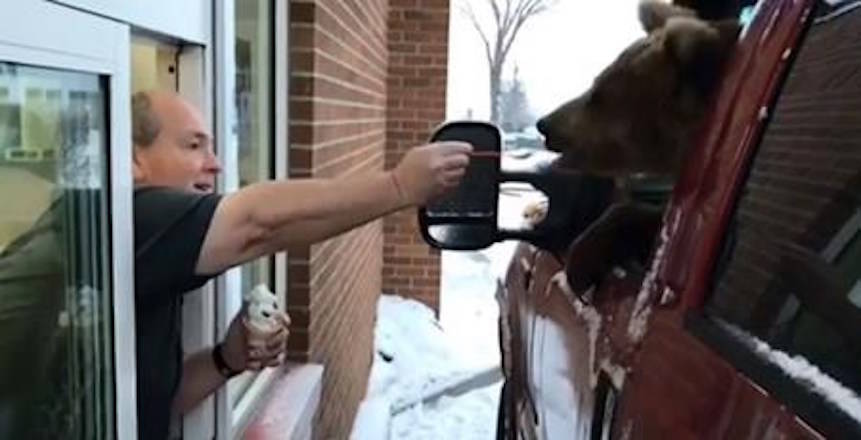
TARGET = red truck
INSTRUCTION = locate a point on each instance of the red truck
(745, 320)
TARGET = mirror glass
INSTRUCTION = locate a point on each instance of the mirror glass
(476, 196)
(466, 218)
(455, 236)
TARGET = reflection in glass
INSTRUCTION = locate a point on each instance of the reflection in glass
(56, 357)
(254, 113)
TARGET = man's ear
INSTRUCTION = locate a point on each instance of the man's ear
(139, 168)
(654, 14)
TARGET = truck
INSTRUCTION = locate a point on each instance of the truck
(744, 320)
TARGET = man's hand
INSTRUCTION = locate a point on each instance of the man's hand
(243, 353)
(429, 171)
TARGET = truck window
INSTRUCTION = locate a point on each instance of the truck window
(792, 274)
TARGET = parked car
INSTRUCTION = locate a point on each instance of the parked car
(745, 321)
(522, 144)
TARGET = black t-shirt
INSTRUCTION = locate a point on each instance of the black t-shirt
(34, 388)
(170, 226)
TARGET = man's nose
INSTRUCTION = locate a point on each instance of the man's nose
(212, 165)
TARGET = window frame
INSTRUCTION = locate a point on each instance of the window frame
(33, 33)
(187, 20)
(232, 420)
(785, 390)
(734, 345)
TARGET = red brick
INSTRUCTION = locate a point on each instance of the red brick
(367, 83)
(416, 104)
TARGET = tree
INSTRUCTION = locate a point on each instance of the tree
(514, 112)
(508, 18)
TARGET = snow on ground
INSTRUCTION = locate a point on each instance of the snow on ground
(468, 417)
(413, 353)
(468, 307)
(414, 359)
(416, 355)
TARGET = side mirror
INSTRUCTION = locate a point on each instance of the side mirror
(467, 218)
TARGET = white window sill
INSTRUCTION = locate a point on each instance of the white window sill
(289, 406)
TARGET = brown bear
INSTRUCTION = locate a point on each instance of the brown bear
(641, 113)
(640, 117)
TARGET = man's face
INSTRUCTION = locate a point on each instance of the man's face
(182, 154)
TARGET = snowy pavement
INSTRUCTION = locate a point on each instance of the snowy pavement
(421, 361)
(416, 359)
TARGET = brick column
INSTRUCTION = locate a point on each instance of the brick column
(338, 69)
(417, 75)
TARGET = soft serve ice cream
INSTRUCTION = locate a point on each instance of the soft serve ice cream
(262, 313)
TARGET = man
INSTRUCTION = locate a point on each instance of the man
(185, 235)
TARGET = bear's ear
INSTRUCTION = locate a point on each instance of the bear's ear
(697, 46)
(655, 13)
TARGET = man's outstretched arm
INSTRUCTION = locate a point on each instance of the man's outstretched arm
(272, 216)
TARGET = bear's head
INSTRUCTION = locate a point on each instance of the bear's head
(643, 110)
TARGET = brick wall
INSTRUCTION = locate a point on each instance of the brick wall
(338, 58)
(367, 81)
(417, 74)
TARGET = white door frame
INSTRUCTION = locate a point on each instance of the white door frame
(187, 20)
(37, 33)
(233, 420)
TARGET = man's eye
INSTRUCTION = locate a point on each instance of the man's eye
(194, 145)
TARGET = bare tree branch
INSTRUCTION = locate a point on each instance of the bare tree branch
(530, 9)
(507, 21)
(509, 18)
(495, 9)
(467, 9)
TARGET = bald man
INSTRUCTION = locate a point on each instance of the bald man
(185, 234)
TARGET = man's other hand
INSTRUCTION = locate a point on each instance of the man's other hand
(241, 352)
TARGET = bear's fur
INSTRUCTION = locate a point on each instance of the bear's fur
(640, 116)
(642, 112)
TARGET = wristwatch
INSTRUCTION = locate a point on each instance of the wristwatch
(221, 364)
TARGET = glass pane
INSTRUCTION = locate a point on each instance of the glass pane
(56, 357)
(792, 264)
(254, 111)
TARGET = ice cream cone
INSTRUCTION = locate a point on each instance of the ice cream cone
(261, 317)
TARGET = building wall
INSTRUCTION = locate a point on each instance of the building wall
(367, 81)
(417, 75)
(338, 58)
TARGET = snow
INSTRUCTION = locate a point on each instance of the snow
(373, 419)
(423, 360)
(426, 356)
(800, 369)
(589, 315)
(471, 416)
(643, 305)
(421, 354)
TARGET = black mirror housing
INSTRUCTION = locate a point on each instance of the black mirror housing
(467, 219)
